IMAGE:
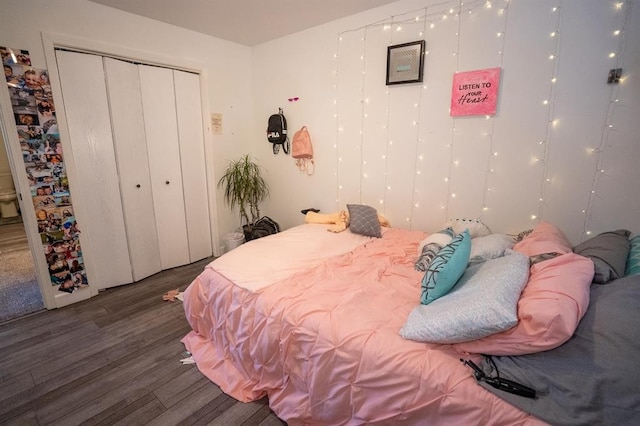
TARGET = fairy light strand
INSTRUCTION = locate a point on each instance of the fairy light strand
(417, 156)
(337, 113)
(491, 152)
(436, 15)
(550, 102)
(363, 90)
(607, 126)
(453, 121)
(386, 148)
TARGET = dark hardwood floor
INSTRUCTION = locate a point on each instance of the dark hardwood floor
(113, 359)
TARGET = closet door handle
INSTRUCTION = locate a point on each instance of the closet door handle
(138, 186)
(166, 182)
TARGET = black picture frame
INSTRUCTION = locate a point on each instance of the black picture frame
(405, 63)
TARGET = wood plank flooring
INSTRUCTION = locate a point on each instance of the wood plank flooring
(13, 237)
(114, 359)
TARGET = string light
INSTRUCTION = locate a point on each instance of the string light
(430, 18)
(451, 145)
(336, 114)
(419, 141)
(607, 127)
(552, 122)
(398, 23)
(493, 154)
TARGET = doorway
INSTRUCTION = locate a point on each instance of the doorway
(19, 290)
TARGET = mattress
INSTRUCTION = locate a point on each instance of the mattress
(270, 259)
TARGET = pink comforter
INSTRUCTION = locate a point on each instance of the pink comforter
(323, 344)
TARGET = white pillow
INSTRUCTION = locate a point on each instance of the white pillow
(442, 238)
(475, 227)
(490, 246)
(483, 302)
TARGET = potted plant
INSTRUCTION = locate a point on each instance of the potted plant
(245, 187)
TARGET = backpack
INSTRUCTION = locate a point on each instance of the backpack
(277, 132)
(261, 228)
(302, 151)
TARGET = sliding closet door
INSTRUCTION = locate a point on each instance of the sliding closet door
(194, 175)
(125, 101)
(159, 107)
(96, 191)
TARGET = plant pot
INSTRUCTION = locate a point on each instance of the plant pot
(232, 240)
(247, 229)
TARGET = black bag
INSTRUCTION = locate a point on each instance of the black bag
(277, 132)
(263, 227)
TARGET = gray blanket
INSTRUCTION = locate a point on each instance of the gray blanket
(592, 379)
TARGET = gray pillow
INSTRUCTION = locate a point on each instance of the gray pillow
(363, 220)
(483, 302)
(609, 252)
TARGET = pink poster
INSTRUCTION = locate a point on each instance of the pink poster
(475, 92)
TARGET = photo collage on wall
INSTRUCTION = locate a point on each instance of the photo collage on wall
(35, 119)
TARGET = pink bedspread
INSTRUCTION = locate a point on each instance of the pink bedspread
(323, 344)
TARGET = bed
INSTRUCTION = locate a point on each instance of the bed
(312, 320)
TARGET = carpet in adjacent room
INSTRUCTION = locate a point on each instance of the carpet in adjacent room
(19, 291)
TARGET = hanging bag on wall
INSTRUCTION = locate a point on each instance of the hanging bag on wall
(302, 151)
(277, 132)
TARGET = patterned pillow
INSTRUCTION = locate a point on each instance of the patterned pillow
(430, 246)
(633, 261)
(475, 227)
(363, 220)
(446, 268)
(483, 302)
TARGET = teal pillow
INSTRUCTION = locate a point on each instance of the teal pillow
(633, 260)
(446, 268)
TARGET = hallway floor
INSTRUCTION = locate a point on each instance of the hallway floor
(19, 290)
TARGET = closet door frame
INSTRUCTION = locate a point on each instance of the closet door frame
(50, 42)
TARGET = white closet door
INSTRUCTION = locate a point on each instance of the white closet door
(194, 175)
(123, 84)
(96, 195)
(159, 106)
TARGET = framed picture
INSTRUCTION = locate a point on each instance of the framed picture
(405, 63)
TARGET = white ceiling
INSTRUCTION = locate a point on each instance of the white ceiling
(247, 22)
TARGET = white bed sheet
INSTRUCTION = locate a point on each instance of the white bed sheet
(255, 265)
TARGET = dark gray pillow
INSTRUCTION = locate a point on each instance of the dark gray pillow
(363, 220)
(609, 252)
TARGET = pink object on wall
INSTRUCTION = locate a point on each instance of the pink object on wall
(475, 92)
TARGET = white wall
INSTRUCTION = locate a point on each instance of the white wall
(226, 65)
(397, 148)
(330, 79)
